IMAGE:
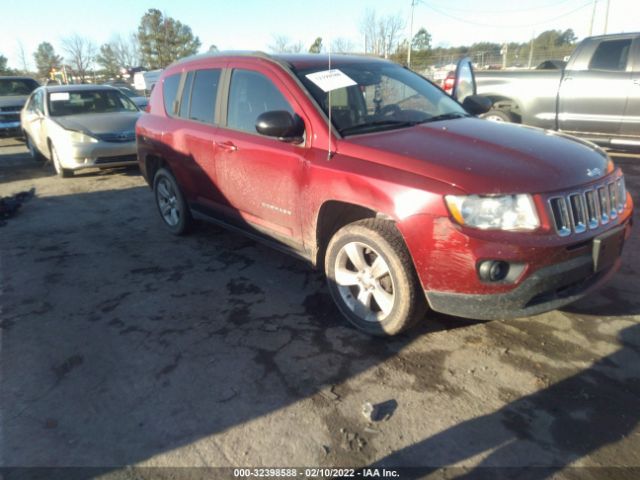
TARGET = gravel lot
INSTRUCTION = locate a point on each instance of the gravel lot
(122, 345)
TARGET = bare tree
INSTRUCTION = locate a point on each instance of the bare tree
(282, 44)
(127, 50)
(342, 45)
(23, 58)
(393, 27)
(381, 34)
(369, 30)
(81, 53)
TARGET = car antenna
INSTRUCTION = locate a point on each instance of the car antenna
(329, 153)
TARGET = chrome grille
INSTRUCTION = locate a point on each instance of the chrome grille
(578, 212)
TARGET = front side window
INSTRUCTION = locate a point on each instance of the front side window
(250, 95)
(611, 55)
(88, 101)
(381, 96)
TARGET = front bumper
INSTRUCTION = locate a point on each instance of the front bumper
(10, 129)
(546, 289)
(98, 155)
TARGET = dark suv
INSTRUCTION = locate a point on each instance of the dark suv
(371, 172)
(13, 94)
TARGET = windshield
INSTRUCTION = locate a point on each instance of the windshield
(380, 96)
(17, 86)
(88, 101)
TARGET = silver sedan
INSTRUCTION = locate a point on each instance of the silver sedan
(80, 126)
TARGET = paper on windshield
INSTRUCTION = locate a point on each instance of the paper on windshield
(59, 96)
(329, 80)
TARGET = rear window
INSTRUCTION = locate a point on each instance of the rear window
(611, 55)
(203, 95)
(88, 101)
(17, 86)
(169, 92)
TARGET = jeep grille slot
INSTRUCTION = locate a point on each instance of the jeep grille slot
(577, 212)
(561, 216)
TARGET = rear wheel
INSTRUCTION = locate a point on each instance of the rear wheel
(371, 278)
(498, 116)
(57, 165)
(170, 202)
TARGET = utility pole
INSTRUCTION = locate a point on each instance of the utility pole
(606, 17)
(593, 16)
(533, 36)
(413, 5)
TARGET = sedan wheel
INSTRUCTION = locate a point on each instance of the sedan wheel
(57, 165)
(33, 151)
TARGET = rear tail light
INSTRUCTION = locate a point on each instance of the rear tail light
(449, 82)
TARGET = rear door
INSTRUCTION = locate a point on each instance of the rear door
(631, 121)
(593, 93)
(260, 177)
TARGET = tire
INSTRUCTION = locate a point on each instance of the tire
(495, 115)
(33, 150)
(55, 159)
(371, 278)
(172, 207)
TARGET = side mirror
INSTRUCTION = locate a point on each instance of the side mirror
(282, 125)
(477, 104)
(465, 81)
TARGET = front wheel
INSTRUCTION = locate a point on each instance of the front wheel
(371, 278)
(170, 202)
(33, 150)
(57, 165)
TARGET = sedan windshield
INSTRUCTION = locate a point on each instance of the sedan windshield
(379, 96)
(16, 86)
(88, 101)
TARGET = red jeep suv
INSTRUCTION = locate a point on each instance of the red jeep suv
(373, 173)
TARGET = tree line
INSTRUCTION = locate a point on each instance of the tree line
(161, 40)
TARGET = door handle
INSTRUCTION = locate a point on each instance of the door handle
(636, 81)
(226, 146)
(566, 79)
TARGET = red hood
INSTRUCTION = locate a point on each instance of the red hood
(481, 156)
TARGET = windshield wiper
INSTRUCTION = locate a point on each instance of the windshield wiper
(378, 123)
(445, 116)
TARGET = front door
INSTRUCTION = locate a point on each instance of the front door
(594, 100)
(259, 176)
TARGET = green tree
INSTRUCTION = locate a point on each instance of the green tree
(316, 47)
(164, 40)
(421, 40)
(46, 59)
(3, 65)
(108, 60)
(568, 37)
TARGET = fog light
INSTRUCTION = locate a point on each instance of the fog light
(493, 270)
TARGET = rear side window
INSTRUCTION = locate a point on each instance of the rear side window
(250, 95)
(203, 95)
(186, 96)
(169, 92)
(611, 55)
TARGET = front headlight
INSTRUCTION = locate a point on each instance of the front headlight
(500, 212)
(80, 137)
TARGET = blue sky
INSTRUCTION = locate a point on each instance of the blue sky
(251, 24)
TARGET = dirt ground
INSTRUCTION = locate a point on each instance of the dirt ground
(122, 345)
